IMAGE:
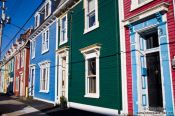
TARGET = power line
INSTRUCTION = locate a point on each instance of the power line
(17, 26)
(21, 28)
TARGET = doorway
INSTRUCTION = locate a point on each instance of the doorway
(152, 57)
(63, 77)
(31, 87)
(154, 81)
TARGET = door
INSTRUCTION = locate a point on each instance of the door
(63, 83)
(21, 85)
(31, 89)
(154, 81)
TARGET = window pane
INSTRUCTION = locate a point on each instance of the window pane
(44, 79)
(141, 1)
(91, 19)
(92, 84)
(47, 37)
(91, 5)
(92, 66)
(36, 21)
(152, 40)
(63, 29)
(47, 9)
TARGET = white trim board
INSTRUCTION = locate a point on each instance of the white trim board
(123, 60)
(95, 109)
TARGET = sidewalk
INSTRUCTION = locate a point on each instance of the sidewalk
(11, 107)
(50, 109)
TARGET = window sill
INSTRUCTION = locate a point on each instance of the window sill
(92, 96)
(91, 28)
(136, 6)
(45, 51)
(61, 43)
(44, 91)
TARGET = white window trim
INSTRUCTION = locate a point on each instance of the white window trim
(33, 49)
(44, 50)
(135, 4)
(49, 10)
(45, 64)
(92, 52)
(38, 20)
(66, 38)
(87, 29)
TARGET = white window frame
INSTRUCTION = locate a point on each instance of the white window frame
(92, 52)
(33, 48)
(49, 9)
(44, 36)
(135, 4)
(37, 22)
(86, 25)
(45, 65)
(66, 27)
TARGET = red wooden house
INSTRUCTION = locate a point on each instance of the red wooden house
(149, 40)
(22, 65)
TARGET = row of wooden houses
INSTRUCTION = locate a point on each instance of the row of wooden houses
(106, 56)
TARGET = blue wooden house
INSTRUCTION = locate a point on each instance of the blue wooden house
(42, 60)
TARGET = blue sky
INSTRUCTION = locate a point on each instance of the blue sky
(19, 11)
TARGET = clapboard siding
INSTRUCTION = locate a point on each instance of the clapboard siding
(171, 35)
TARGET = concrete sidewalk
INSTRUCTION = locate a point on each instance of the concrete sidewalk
(11, 107)
(14, 106)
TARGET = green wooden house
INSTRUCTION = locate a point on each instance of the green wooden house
(88, 55)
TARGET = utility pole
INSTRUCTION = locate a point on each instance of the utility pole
(4, 20)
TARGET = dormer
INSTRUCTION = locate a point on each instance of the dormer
(43, 13)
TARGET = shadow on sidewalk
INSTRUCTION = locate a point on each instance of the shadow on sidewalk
(9, 108)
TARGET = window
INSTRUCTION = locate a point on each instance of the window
(45, 41)
(91, 75)
(152, 40)
(47, 10)
(44, 76)
(138, 3)
(141, 1)
(43, 13)
(91, 15)
(91, 54)
(36, 21)
(33, 45)
(63, 30)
